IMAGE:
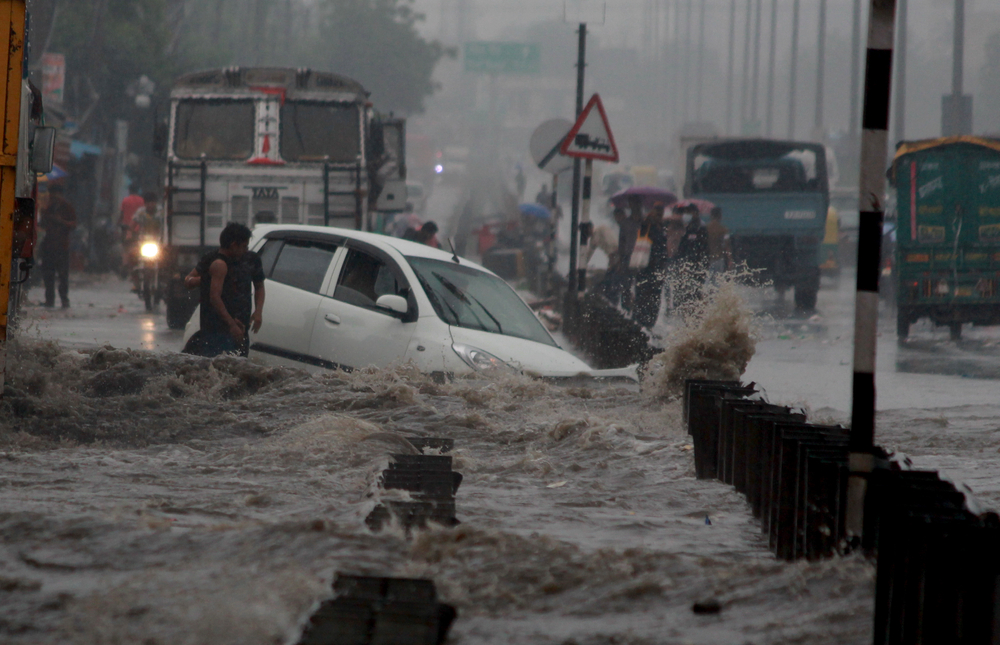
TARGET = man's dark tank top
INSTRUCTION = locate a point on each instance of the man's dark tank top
(237, 289)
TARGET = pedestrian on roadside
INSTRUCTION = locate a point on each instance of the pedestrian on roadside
(606, 239)
(628, 235)
(58, 221)
(649, 280)
(692, 260)
(129, 206)
(519, 182)
(428, 235)
(232, 286)
(720, 246)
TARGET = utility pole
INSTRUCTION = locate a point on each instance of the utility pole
(956, 109)
(756, 68)
(574, 236)
(900, 103)
(820, 71)
(701, 59)
(745, 87)
(729, 77)
(686, 60)
(852, 127)
(770, 67)
(874, 143)
(794, 70)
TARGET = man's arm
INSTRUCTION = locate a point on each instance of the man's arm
(218, 270)
(193, 279)
(258, 306)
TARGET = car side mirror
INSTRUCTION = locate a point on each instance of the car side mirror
(395, 304)
(42, 149)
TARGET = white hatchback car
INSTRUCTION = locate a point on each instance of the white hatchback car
(339, 298)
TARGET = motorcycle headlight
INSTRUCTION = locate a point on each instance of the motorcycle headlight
(150, 250)
(479, 360)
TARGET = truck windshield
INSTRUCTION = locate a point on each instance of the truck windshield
(474, 299)
(312, 131)
(219, 129)
(773, 169)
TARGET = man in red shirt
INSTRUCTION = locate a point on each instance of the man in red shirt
(130, 205)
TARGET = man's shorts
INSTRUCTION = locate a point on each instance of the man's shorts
(211, 344)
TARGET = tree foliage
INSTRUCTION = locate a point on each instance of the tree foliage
(109, 44)
(376, 42)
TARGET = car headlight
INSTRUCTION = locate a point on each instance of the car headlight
(150, 250)
(479, 360)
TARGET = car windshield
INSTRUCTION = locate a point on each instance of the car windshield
(749, 168)
(474, 299)
(217, 129)
(313, 131)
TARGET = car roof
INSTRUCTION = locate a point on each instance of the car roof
(405, 247)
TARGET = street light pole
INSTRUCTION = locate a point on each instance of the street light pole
(770, 66)
(820, 71)
(792, 80)
(729, 77)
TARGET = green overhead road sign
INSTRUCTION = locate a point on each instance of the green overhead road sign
(503, 58)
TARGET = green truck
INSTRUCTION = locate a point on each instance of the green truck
(946, 262)
(774, 197)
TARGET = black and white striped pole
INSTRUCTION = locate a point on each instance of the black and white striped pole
(874, 148)
(586, 228)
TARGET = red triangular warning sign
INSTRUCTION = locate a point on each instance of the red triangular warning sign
(590, 137)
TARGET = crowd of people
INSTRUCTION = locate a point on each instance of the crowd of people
(654, 251)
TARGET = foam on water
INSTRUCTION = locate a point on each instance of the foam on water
(169, 499)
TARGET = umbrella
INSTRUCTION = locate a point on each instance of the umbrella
(56, 173)
(650, 196)
(535, 210)
(704, 206)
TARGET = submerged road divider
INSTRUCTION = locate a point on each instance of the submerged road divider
(429, 479)
(937, 562)
(368, 610)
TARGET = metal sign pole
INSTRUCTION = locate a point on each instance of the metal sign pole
(874, 142)
(574, 224)
(585, 225)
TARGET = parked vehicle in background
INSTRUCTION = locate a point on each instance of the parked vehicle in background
(845, 202)
(774, 197)
(264, 144)
(947, 256)
(346, 299)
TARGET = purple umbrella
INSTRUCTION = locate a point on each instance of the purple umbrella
(650, 195)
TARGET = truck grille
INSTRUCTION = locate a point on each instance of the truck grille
(240, 209)
(290, 210)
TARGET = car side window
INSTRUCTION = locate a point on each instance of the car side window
(268, 254)
(365, 278)
(303, 265)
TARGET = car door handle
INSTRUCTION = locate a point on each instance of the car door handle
(331, 318)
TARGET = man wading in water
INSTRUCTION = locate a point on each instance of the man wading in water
(226, 295)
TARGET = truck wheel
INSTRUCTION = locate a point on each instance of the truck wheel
(177, 314)
(806, 289)
(902, 324)
(955, 331)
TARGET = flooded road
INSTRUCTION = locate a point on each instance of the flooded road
(161, 498)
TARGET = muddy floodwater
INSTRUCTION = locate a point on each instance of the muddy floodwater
(158, 498)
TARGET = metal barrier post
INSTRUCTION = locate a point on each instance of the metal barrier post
(874, 142)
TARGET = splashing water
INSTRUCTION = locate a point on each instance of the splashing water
(717, 339)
